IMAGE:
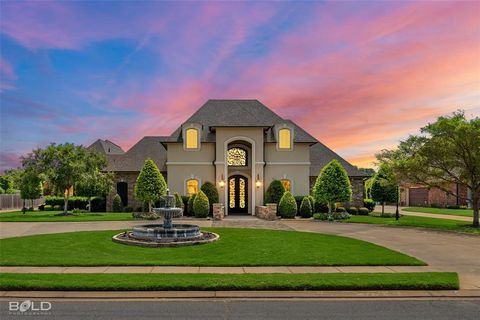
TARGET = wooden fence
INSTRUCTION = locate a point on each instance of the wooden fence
(14, 201)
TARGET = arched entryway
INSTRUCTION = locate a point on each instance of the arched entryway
(237, 189)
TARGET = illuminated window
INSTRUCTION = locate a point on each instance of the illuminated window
(284, 139)
(192, 186)
(192, 138)
(286, 184)
(237, 157)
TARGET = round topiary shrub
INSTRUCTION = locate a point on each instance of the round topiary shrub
(275, 192)
(305, 208)
(201, 207)
(352, 210)
(363, 211)
(57, 207)
(211, 192)
(287, 206)
(369, 204)
(117, 205)
(191, 199)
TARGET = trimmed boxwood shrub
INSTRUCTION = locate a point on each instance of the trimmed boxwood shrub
(191, 199)
(201, 206)
(298, 200)
(211, 192)
(98, 204)
(117, 205)
(363, 211)
(352, 210)
(57, 208)
(305, 208)
(320, 216)
(287, 208)
(274, 192)
(369, 204)
(73, 202)
(47, 207)
(453, 207)
(312, 202)
(340, 209)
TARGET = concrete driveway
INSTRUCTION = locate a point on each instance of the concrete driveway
(443, 251)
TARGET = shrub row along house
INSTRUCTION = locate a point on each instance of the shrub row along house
(240, 145)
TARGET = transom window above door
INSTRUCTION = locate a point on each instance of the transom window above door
(237, 157)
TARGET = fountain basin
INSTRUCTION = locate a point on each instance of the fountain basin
(159, 231)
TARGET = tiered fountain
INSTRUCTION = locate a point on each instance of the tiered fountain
(166, 234)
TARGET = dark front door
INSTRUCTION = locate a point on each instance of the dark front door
(237, 194)
(122, 191)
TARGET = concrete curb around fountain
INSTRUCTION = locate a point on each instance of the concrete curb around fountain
(121, 238)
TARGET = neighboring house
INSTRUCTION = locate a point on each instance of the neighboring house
(421, 196)
(240, 145)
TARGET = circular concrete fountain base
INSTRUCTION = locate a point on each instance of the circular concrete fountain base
(128, 239)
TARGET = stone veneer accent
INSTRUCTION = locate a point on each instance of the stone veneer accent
(218, 211)
(268, 212)
(357, 190)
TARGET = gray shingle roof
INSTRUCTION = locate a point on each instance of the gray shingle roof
(134, 158)
(106, 147)
(237, 113)
(320, 155)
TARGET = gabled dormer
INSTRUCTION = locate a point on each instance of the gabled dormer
(191, 133)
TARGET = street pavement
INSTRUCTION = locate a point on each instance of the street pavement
(464, 309)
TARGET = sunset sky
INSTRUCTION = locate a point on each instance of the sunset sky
(359, 76)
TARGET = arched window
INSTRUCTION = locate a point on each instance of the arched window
(191, 186)
(191, 138)
(286, 184)
(237, 157)
(284, 138)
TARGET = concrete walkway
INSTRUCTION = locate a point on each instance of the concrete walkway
(392, 209)
(225, 270)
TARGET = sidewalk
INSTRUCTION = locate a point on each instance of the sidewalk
(224, 270)
(391, 209)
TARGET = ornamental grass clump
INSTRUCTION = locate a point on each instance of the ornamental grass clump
(287, 206)
(201, 206)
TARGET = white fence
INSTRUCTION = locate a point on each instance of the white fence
(14, 201)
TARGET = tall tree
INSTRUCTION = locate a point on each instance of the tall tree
(63, 165)
(30, 184)
(150, 184)
(332, 185)
(95, 183)
(448, 151)
(384, 187)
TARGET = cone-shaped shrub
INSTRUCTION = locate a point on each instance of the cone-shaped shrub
(150, 184)
(211, 192)
(312, 202)
(274, 192)
(178, 200)
(191, 199)
(117, 205)
(332, 185)
(306, 208)
(201, 207)
(287, 206)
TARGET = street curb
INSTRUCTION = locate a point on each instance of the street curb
(129, 295)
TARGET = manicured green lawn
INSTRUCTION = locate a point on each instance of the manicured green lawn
(236, 247)
(422, 222)
(452, 212)
(50, 216)
(309, 281)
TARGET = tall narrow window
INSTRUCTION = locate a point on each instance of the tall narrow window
(192, 138)
(192, 186)
(237, 157)
(231, 190)
(286, 184)
(284, 139)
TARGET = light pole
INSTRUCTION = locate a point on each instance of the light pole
(397, 213)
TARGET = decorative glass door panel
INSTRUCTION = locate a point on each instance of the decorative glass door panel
(237, 194)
